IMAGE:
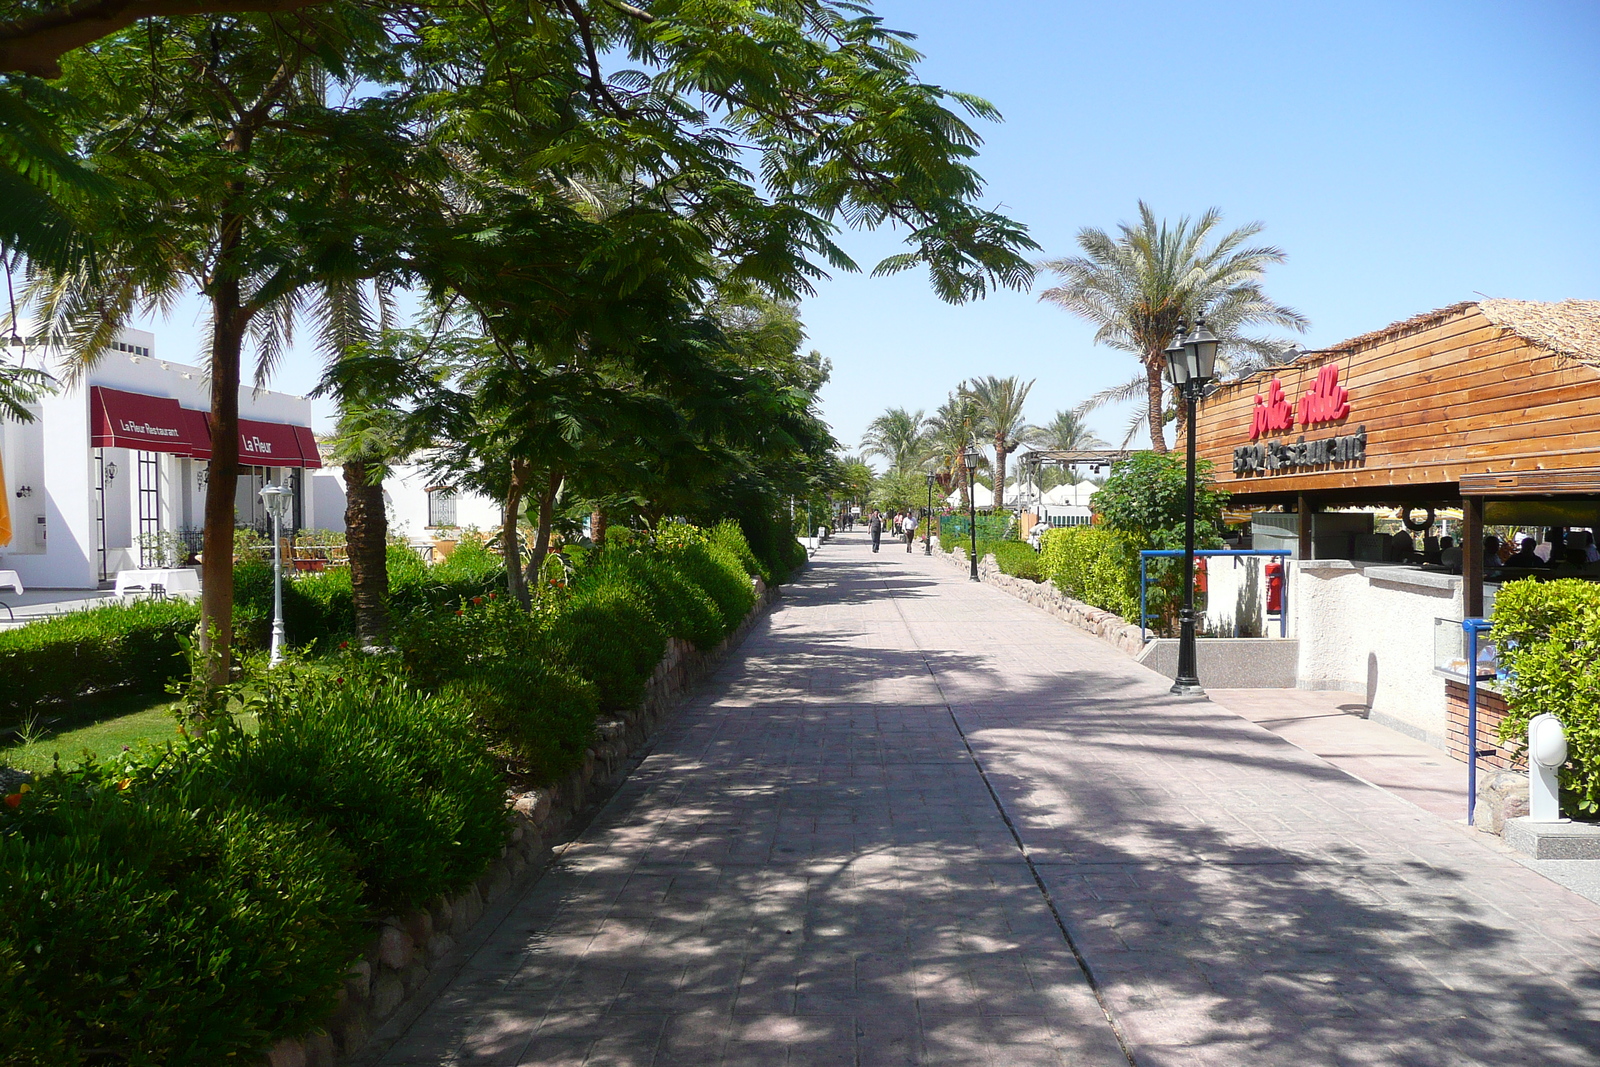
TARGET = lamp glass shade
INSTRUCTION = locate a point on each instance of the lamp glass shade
(931, 480)
(971, 456)
(1177, 360)
(276, 498)
(1203, 344)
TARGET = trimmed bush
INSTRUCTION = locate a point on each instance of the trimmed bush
(541, 714)
(718, 572)
(1093, 565)
(165, 934)
(609, 635)
(728, 536)
(129, 647)
(1548, 637)
(401, 779)
(1016, 559)
(681, 607)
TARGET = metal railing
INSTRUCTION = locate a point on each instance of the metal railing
(1148, 554)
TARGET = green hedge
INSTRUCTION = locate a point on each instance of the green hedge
(165, 933)
(1017, 559)
(1548, 636)
(189, 906)
(1095, 566)
(132, 647)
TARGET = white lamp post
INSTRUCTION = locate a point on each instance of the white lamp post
(276, 499)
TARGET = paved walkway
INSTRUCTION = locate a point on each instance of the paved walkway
(915, 821)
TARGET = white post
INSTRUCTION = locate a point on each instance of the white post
(275, 497)
(1547, 751)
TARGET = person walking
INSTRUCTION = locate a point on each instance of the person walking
(909, 528)
(875, 527)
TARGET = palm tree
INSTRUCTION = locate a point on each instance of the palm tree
(998, 403)
(899, 436)
(1067, 432)
(951, 429)
(1138, 287)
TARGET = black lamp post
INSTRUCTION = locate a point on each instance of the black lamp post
(927, 519)
(970, 456)
(1191, 364)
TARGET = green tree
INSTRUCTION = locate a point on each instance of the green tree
(1139, 286)
(999, 402)
(1145, 501)
(246, 174)
(951, 429)
(899, 436)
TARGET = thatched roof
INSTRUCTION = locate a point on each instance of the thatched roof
(1569, 328)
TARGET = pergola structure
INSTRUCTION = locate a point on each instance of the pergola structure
(1093, 458)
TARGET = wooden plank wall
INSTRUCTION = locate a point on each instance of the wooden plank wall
(1457, 397)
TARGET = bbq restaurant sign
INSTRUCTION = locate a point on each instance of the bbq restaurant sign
(1502, 387)
(1326, 401)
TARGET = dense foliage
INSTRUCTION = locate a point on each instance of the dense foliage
(1095, 565)
(1548, 636)
(133, 648)
(188, 904)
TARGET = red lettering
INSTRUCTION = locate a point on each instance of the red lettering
(1327, 401)
(1271, 412)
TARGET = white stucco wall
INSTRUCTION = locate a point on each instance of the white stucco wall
(405, 498)
(1368, 628)
(54, 457)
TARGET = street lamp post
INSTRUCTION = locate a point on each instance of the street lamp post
(927, 519)
(1191, 362)
(276, 499)
(970, 456)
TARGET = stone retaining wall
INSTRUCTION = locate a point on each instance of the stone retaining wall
(384, 982)
(1110, 628)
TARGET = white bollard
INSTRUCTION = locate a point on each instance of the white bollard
(1547, 751)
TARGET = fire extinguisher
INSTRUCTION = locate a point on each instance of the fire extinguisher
(1200, 576)
(1274, 571)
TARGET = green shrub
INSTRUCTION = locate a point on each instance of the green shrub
(728, 536)
(1548, 637)
(542, 713)
(164, 933)
(608, 634)
(400, 778)
(1093, 565)
(1017, 559)
(718, 572)
(131, 647)
(681, 607)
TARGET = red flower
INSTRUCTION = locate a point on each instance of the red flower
(477, 600)
(14, 800)
(493, 595)
(344, 645)
(458, 611)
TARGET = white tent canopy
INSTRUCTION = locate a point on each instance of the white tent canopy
(982, 497)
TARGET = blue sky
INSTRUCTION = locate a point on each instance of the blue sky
(1405, 155)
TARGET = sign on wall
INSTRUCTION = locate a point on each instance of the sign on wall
(1326, 401)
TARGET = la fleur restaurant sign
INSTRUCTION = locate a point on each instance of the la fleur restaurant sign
(1327, 401)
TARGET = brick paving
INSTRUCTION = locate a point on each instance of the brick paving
(914, 821)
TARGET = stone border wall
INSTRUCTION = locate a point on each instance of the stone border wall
(1110, 628)
(385, 981)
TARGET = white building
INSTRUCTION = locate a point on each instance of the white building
(418, 508)
(118, 458)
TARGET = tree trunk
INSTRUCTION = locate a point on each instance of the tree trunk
(1156, 394)
(541, 540)
(228, 322)
(367, 536)
(1181, 424)
(961, 479)
(510, 543)
(999, 493)
(597, 527)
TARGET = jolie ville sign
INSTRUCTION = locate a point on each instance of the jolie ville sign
(1326, 401)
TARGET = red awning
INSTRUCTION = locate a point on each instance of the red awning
(272, 444)
(308, 446)
(199, 432)
(134, 420)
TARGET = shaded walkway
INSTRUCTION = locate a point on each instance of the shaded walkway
(915, 821)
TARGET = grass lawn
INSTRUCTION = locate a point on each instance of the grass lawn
(119, 721)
